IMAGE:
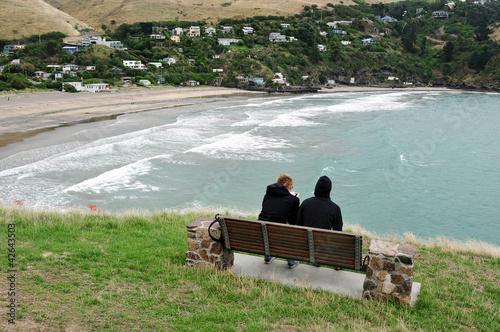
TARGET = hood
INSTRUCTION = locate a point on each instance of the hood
(277, 189)
(323, 187)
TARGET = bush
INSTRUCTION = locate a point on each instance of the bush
(70, 88)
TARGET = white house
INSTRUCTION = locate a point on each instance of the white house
(335, 23)
(78, 85)
(69, 67)
(157, 36)
(217, 70)
(134, 64)
(156, 64)
(285, 25)
(145, 82)
(177, 31)
(117, 45)
(276, 37)
(279, 79)
(90, 68)
(346, 42)
(170, 61)
(210, 31)
(227, 41)
(247, 30)
(194, 31)
(96, 87)
(367, 41)
(321, 47)
(227, 29)
(388, 19)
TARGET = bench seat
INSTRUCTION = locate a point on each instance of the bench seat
(306, 244)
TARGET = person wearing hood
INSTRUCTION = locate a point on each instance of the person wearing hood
(319, 211)
(280, 205)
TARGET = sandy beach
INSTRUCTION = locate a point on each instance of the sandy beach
(26, 114)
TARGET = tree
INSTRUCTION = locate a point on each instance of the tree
(448, 50)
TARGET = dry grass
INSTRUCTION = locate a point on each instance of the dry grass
(443, 243)
(29, 17)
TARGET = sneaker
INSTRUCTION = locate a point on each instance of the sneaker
(293, 264)
(268, 260)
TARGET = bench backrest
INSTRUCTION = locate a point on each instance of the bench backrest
(305, 244)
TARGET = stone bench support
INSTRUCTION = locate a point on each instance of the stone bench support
(202, 250)
(390, 271)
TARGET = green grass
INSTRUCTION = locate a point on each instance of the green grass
(96, 272)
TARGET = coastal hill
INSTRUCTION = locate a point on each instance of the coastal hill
(28, 17)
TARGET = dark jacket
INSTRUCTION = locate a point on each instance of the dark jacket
(279, 205)
(319, 211)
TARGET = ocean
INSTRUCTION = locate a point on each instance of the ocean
(425, 162)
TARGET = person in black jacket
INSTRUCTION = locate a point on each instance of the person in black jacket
(319, 211)
(280, 205)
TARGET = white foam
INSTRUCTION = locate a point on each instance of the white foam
(118, 179)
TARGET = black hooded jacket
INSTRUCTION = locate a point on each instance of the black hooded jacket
(319, 211)
(279, 205)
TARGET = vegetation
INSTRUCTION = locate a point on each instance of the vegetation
(417, 49)
(98, 271)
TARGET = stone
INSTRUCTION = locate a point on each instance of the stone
(376, 263)
(389, 266)
(193, 245)
(381, 275)
(406, 270)
(193, 256)
(378, 247)
(405, 259)
(369, 272)
(369, 285)
(403, 299)
(206, 244)
(407, 285)
(407, 249)
(191, 235)
(216, 248)
(386, 288)
(204, 254)
(397, 278)
(202, 233)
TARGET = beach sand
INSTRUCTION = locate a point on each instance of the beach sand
(25, 114)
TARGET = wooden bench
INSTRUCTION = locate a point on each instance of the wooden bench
(306, 244)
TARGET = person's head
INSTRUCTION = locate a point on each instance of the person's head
(323, 187)
(286, 180)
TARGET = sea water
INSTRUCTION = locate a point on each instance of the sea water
(423, 162)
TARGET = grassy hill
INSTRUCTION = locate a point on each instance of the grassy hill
(28, 17)
(95, 272)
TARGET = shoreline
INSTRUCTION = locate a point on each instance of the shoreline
(24, 115)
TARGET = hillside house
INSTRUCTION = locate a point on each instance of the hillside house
(346, 42)
(279, 79)
(177, 31)
(194, 31)
(339, 32)
(169, 61)
(368, 41)
(42, 75)
(440, 15)
(11, 49)
(276, 37)
(175, 38)
(321, 47)
(145, 82)
(285, 25)
(70, 49)
(156, 64)
(134, 64)
(210, 31)
(116, 45)
(157, 36)
(335, 23)
(227, 29)
(90, 68)
(248, 30)
(69, 67)
(16, 62)
(227, 41)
